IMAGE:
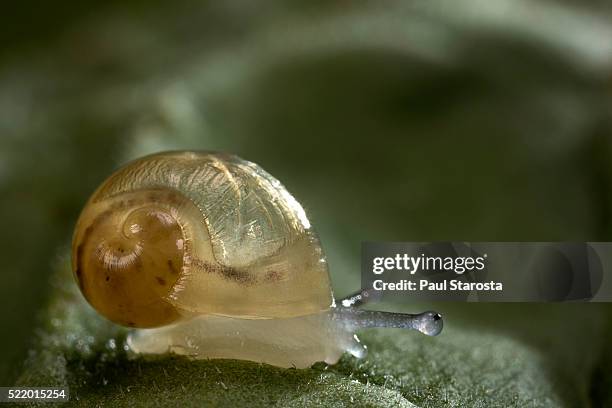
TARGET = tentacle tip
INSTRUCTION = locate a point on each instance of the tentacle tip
(429, 323)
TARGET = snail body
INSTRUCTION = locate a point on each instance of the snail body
(210, 256)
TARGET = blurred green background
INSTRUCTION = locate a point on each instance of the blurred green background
(438, 120)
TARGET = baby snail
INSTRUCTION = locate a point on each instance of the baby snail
(210, 256)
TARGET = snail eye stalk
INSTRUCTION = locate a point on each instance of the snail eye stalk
(429, 323)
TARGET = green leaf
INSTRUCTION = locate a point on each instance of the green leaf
(534, 363)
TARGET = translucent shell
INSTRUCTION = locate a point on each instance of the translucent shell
(183, 234)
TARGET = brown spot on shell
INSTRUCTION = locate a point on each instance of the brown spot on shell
(160, 280)
(274, 276)
(226, 272)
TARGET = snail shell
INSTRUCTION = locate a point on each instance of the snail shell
(182, 233)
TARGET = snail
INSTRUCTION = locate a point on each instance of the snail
(207, 255)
